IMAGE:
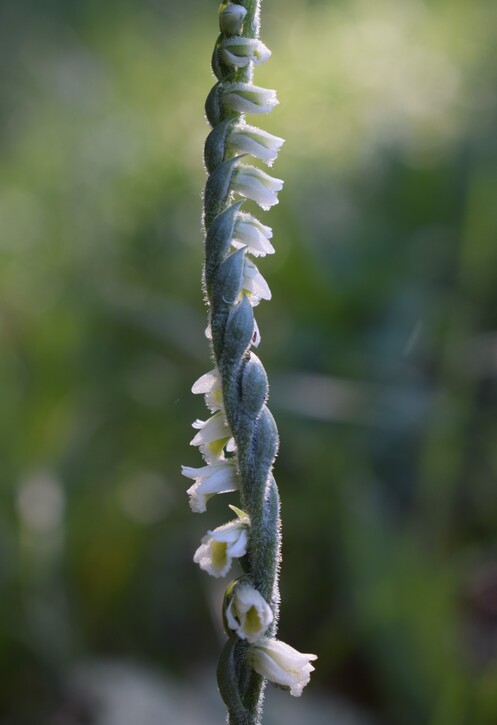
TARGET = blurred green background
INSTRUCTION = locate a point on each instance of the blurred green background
(380, 344)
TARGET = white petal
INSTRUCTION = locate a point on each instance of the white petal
(251, 233)
(254, 283)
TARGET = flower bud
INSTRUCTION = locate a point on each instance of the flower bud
(231, 18)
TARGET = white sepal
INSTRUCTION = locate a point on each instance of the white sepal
(248, 613)
(220, 477)
(251, 182)
(246, 98)
(240, 51)
(221, 546)
(281, 664)
(245, 139)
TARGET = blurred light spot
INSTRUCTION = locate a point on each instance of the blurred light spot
(145, 498)
(41, 503)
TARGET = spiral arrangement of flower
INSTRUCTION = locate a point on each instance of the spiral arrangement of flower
(239, 441)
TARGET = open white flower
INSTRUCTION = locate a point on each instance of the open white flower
(251, 233)
(254, 285)
(212, 437)
(240, 51)
(231, 18)
(245, 139)
(221, 546)
(220, 477)
(246, 98)
(248, 613)
(255, 184)
(281, 664)
(210, 385)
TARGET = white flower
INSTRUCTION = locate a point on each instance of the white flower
(246, 98)
(250, 232)
(255, 184)
(220, 477)
(210, 385)
(240, 52)
(282, 664)
(212, 437)
(254, 284)
(248, 613)
(221, 546)
(231, 18)
(245, 139)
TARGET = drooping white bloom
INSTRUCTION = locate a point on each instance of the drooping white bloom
(251, 182)
(245, 139)
(231, 18)
(240, 51)
(246, 98)
(254, 284)
(210, 385)
(213, 435)
(281, 664)
(248, 613)
(221, 546)
(220, 477)
(251, 233)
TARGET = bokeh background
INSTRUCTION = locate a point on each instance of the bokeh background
(380, 344)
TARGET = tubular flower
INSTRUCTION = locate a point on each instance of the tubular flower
(245, 139)
(254, 283)
(248, 613)
(281, 664)
(220, 477)
(251, 233)
(212, 437)
(246, 98)
(240, 51)
(221, 546)
(251, 182)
